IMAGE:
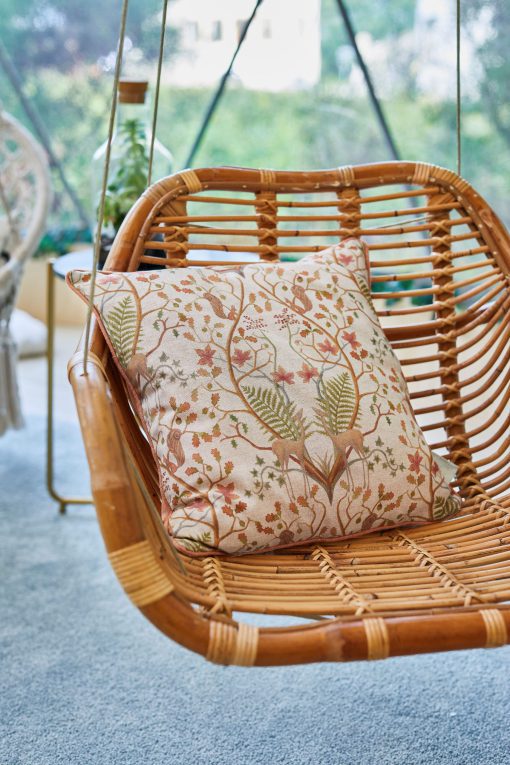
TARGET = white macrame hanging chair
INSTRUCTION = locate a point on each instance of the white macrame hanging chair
(25, 195)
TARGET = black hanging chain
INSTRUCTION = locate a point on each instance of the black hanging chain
(221, 87)
(392, 146)
(41, 131)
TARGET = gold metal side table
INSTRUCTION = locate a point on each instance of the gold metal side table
(58, 268)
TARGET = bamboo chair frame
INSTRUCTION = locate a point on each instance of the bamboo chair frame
(434, 588)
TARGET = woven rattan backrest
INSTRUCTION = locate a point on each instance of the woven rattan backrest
(439, 261)
(25, 189)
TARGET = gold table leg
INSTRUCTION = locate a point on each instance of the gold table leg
(50, 352)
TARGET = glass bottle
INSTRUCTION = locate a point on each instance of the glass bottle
(129, 159)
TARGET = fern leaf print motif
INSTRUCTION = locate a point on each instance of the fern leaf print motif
(121, 324)
(275, 413)
(336, 404)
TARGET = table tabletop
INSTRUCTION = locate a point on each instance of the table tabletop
(71, 260)
(83, 259)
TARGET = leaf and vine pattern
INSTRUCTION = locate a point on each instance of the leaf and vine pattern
(275, 407)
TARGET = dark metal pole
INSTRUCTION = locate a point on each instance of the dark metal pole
(368, 79)
(40, 129)
(221, 87)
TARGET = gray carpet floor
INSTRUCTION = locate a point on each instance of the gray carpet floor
(84, 679)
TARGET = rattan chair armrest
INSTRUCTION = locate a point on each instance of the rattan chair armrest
(117, 499)
(112, 485)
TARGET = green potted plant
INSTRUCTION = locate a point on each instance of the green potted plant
(129, 161)
(129, 180)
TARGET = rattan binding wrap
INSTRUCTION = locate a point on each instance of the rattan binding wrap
(140, 574)
(495, 625)
(443, 586)
(191, 180)
(228, 645)
(378, 641)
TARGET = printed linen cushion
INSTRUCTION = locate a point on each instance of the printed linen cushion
(275, 407)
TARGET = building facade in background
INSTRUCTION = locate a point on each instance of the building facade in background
(423, 58)
(282, 50)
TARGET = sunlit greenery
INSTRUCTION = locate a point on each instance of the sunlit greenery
(317, 128)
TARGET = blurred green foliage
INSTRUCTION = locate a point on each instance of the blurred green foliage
(57, 57)
(59, 240)
(68, 33)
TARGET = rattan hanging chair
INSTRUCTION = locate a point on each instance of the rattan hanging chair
(435, 588)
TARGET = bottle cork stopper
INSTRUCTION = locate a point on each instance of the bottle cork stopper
(132, 91)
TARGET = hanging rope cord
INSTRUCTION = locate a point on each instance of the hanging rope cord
(158, 85)
(106, 169)
(104, 184)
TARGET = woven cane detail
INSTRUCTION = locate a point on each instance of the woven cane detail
(213, 577)
(228, 645)
(341, 586)
(421, 173)
(246, 646)
(267, 177)
(77, 358)
(495, 625)
(449, 178)
(378, 640)
(140, 573)
(346, 175)
(447, 579)
(221, 642)
(191, 180)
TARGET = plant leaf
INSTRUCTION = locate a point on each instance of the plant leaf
(336, 404)
(121, 324)
(276, 413)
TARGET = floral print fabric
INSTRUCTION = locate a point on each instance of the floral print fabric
(274, 405)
